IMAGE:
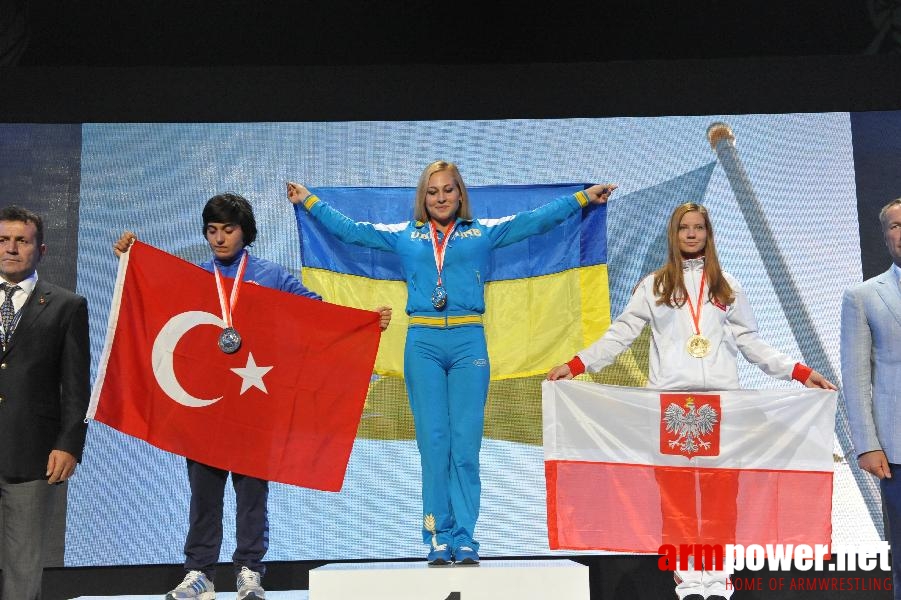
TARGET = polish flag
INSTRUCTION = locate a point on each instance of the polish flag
(631, 469)
(284, 407)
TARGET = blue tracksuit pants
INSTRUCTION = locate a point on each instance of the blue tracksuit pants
(447, 375)
(205, 531)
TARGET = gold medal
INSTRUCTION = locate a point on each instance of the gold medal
(698, 346)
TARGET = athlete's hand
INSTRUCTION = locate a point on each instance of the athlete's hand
(297, 193)
(124, 243)
(600, 193)
(815, 380)
(559, 372)
(384, 316)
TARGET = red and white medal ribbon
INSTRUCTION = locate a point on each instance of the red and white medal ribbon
(698, 345)
(227, 306)
(439, 247)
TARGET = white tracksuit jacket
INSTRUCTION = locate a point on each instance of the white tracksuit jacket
(730, 329)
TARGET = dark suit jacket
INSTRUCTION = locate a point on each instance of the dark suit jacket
(44, 383)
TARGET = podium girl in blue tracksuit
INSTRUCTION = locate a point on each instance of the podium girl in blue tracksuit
(445, 254)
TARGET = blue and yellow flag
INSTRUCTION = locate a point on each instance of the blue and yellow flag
(546, 297)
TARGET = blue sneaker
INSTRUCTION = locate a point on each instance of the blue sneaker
(464, 555)
(440, 556)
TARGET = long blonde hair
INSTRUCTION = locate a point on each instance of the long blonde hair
(669, 284)
(419, 210)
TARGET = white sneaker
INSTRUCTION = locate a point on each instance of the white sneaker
(249, 587)
(195, 586)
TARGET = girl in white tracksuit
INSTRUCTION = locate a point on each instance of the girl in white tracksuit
(700, 320)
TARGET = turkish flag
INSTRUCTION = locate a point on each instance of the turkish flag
(284, 407)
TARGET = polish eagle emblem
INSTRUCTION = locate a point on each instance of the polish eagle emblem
(690, 424)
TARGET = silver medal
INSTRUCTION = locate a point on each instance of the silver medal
(439, 297)
(229, 340)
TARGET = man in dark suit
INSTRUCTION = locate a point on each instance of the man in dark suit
(871, 374)
(44, 393)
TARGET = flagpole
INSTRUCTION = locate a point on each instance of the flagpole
(722, 141)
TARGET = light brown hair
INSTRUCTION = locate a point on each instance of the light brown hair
(669, 284)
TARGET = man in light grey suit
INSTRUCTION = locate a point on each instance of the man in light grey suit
(871, 378)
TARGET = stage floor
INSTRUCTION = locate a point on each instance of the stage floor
(294, 595)
(622, 577)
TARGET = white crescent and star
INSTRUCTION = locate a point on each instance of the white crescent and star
(163, 364)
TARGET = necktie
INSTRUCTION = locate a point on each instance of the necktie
(7, 312)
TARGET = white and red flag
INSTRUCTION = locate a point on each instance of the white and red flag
(631, 469)
(284, 407)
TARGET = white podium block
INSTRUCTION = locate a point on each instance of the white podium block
(492, 580)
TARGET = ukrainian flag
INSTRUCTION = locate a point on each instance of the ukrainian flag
(546, 297)
(549, 296)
